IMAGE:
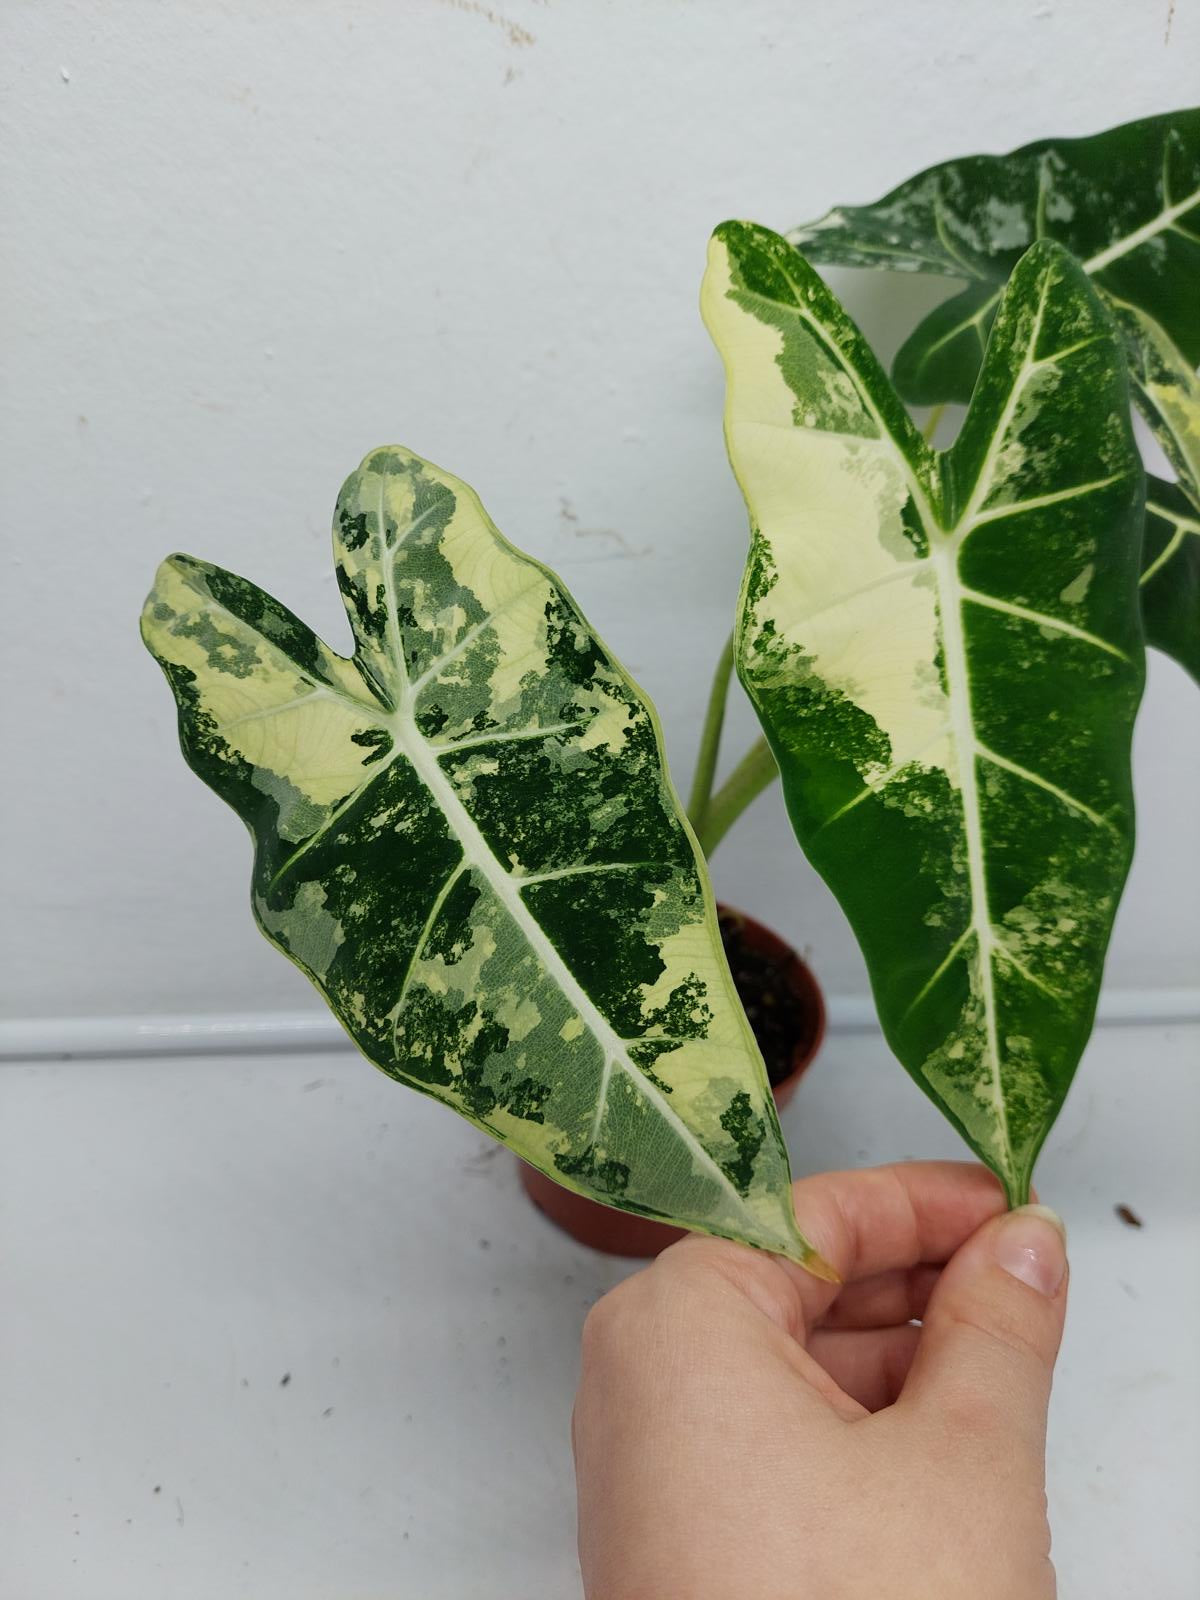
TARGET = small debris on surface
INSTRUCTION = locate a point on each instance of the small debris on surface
(478, 1162)
(328, 1411)
(285, 1380)
(158, 1488)
(1128, 1216)
(485, 1244)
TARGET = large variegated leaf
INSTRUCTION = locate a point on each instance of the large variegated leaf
(465, 836)
(1167, 391)
(1125, 202)
(945, 654)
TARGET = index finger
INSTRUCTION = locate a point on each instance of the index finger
(863, 1223)
(882, 1218)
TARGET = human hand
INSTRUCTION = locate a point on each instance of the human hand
(744, 1431)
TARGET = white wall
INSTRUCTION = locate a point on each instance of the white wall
(244, 243)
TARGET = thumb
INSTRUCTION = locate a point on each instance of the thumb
(992, 1331)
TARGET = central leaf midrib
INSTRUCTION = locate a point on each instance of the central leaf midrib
(945, 550)
(945, 547)
(962, 734)
(480, 857)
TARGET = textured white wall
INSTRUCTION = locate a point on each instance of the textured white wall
(245, 243)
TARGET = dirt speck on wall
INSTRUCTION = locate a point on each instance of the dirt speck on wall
(516, 34)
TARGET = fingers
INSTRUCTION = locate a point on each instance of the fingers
(991, 1334)
(865, 1223)
(871, 1365)
(884, 1300)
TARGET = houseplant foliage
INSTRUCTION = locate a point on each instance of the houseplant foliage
(945, 652)
(465, 836)
(1169, 392)
(1126, 203)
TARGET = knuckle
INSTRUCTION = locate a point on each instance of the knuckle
(1016, 1328)
(597, 1328)
(607, 1323)
(972, 1413)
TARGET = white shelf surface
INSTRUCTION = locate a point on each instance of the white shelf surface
(177, 1235)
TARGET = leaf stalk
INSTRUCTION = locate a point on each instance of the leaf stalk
(710, 739)
(755, 772)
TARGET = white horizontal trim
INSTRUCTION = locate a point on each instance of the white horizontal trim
(245, 1032)
(207, 1033)
(855, 1013)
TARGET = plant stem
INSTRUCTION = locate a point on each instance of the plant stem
(753, 773)
(931, 423)
(710, 739)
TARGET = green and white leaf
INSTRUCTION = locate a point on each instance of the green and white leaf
(1171, 574)
(1126, 202)
(1167, 391)
(465, 836)
(945, 653)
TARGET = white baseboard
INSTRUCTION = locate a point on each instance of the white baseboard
(237, 1033)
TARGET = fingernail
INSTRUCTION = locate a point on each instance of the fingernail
(1031, 1244)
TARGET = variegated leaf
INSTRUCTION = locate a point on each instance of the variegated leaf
(1125, 202)
(1171, 573)
(465, 836)
(945, 653)
(1167, 392)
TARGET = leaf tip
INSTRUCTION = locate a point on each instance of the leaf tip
(820, 1268)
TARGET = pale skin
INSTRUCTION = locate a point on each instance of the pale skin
(743, 1429)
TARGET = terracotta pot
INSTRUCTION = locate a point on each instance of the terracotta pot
(621, 1233)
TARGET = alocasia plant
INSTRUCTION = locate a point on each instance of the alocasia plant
(465, 836)
(945, 652)
(1126, 203)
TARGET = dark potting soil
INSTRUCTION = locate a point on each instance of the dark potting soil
(778, 1016)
